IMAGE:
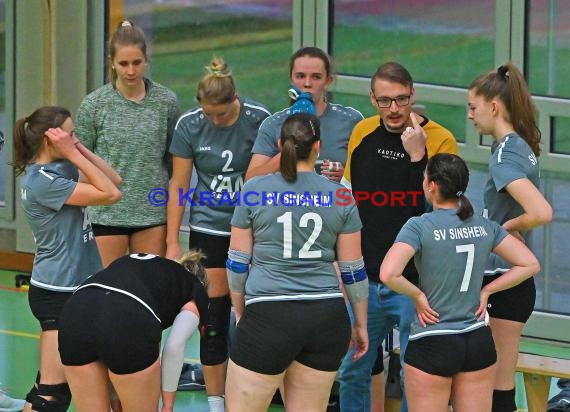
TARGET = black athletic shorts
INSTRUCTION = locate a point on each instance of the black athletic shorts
(213, 246)
(200, 298)
(110, 327)
(447, 355)
(516, 303)
(104, 230)
(271, 335)
(46, 306)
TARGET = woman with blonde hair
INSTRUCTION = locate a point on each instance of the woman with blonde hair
(129, 123)
(127, 305)
(216, 139)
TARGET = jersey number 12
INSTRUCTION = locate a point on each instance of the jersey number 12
(305, 252)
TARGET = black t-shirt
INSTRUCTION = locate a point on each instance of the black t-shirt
(162, 285)
(380, 166)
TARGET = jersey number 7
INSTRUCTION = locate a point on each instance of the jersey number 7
(470, 250)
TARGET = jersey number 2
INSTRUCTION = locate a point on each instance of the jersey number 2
(470, 250)
(305, 252)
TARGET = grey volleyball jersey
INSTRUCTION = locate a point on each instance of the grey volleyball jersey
(511, 159)
(295, 227)
(220, 156)
(337, 123)
(450, 258)
(66, 252)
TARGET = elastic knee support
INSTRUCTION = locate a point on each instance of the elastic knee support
(61, 398)
(504, 401)
(214, 332)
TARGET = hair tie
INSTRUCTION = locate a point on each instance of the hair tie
(218, 71)
(126, 23)
(313, 129)
(503, 72)
(459, 193)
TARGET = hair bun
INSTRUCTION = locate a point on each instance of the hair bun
(218, 68)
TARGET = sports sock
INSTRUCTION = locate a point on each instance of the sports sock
(504, 401)
(216, 403)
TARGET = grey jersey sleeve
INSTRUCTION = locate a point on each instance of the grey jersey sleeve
(352, 223)
(180, 145)
(506, 166)
(267, 136)
(411, 233)
(242, 216)
(499, 233)
(52, 190)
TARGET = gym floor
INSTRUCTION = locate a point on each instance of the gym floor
(19, 339)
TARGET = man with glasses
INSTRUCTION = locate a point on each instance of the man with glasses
(387, 155)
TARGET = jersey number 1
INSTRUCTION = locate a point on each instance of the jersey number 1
(305, 252)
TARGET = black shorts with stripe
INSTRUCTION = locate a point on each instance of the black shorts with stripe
(448, 355)
(214, 247)
(273, 334)
(516, 303)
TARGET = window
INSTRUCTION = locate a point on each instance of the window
(254, 38)
(3, 137)
(549, 48)
(548, 244)
(560, 135)
(445, 45)
(438, 41)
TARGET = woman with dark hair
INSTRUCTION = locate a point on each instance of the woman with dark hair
(450, 247)
(293, 327)
(310, 71)
(500, 105)
(61, 178)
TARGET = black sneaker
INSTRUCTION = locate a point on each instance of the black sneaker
(559, 403)
(191, 378)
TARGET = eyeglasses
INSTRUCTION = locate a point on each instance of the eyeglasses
(385, 102)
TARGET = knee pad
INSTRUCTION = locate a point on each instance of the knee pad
(61, 398)
(34, 391)
(214, 332)
(504, 401)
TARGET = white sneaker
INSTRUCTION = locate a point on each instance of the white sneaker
(8, 404)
